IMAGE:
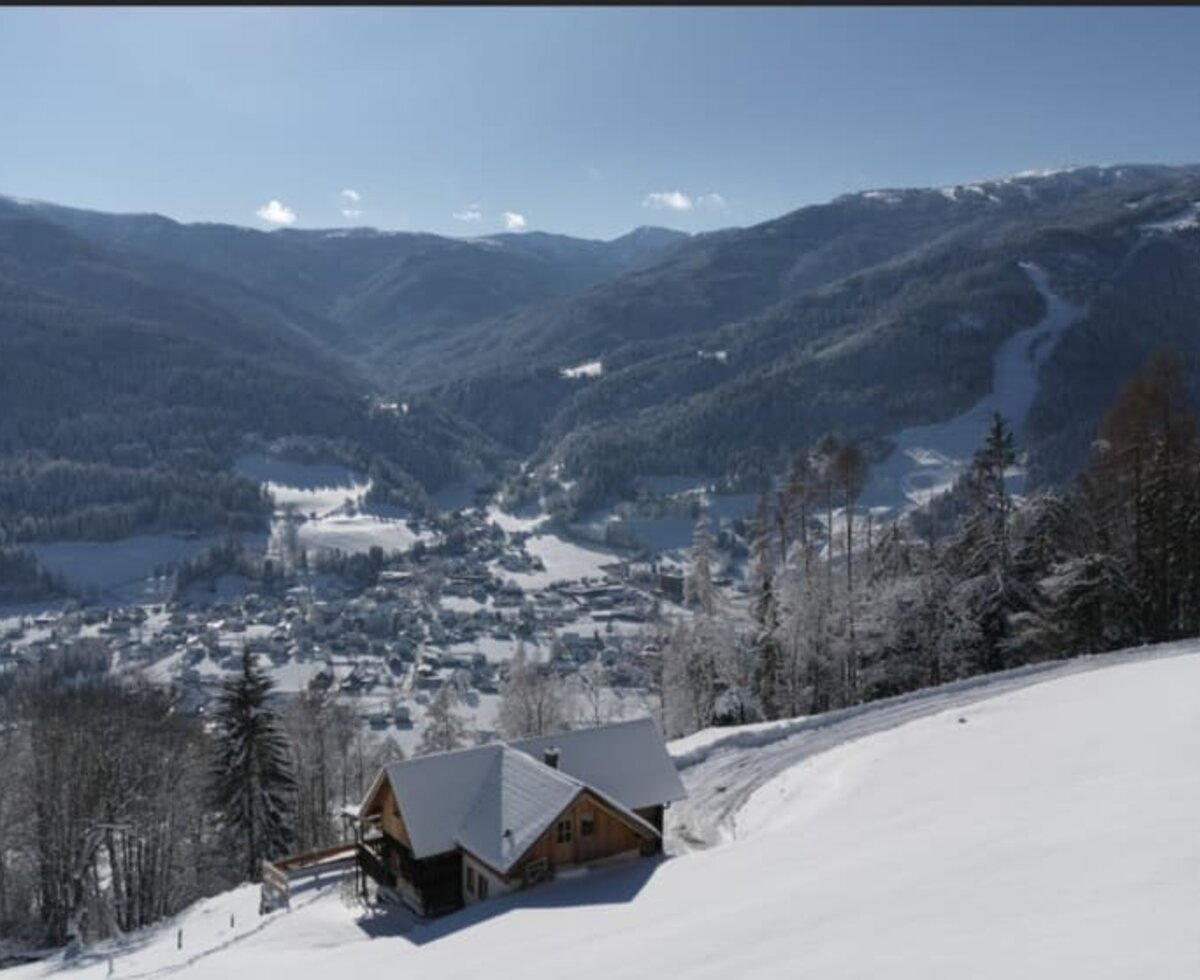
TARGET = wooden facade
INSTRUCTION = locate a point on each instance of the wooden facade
(430, 886)
(586, 831)
(589, 830)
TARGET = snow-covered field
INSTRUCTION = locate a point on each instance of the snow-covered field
(1044, 826)
(929, 458)
(332, 499)
(562, 560)
(123, 569)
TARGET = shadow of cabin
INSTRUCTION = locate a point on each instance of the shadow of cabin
(440, 832)
(617, 884)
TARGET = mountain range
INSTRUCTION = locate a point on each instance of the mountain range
(133, 345)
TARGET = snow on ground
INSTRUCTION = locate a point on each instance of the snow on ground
(123, 568)
(929, 458)
(312, 488)
(1049, 833)
(1186, 220)
(588, 369)
(529, 520)
(563, 560)
(463, 604)
(332, 498)
(359, 532)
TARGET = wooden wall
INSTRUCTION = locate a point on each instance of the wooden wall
(612, 835)
(393, 823)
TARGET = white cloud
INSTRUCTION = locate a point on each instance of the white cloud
(276, 213)
(350, 201)
(713, 201)
(670, 200)
(470, 213)
(514, 221)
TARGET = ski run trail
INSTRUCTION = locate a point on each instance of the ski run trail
(927, 459)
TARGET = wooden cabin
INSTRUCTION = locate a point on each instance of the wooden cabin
(443, 831)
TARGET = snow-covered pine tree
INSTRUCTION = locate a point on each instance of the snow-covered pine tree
(1087, 604)
(444, 728)
(979, 556)
(690, 673)
(253, 785)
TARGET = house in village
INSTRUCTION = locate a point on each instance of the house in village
(448, 830)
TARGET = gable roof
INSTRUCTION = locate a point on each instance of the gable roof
(626, 761)
(518, 800)
(434, 793)
(497, 800)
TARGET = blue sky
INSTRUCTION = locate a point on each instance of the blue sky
(585, 121)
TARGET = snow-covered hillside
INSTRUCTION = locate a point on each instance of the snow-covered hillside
(928, 459)
(1045, 830)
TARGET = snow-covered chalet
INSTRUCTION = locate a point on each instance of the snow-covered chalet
(443, 831)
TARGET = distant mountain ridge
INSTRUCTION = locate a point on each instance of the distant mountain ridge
(719, 353)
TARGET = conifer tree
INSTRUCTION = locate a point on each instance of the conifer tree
(253, 784)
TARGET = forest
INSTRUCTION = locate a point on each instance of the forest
(980, 582)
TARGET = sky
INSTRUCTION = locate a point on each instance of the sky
(581, 121)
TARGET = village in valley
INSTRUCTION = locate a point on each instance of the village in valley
(383, 631)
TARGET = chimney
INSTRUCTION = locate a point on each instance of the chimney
(550, 757)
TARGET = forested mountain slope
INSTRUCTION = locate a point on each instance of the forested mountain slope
(878, 311)
(129, 339)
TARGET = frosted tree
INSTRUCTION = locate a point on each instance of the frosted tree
(253, 784)
(689, 678)
(807, 642)
(1087, 604)
(444, 729)
(593, 685)
(698, 588)
(849, 473)
(765, 646)
(532, 699)
(386, 752)
(736, 671)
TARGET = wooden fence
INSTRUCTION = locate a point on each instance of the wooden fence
(280, 875)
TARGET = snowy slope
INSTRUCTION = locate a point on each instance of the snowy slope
(928, 459)
(1050, 834)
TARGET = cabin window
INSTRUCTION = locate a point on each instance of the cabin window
(587, 825)
(470, 880)
(564, 831)
(483, 887)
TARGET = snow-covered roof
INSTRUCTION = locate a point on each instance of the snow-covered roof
(626, 761)
(496, 800)
(517, 801)
(436, 791)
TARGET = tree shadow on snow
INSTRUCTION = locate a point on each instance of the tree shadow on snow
(616, 885)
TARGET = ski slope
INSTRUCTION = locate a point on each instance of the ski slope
(1049, 833)
(927, 459)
